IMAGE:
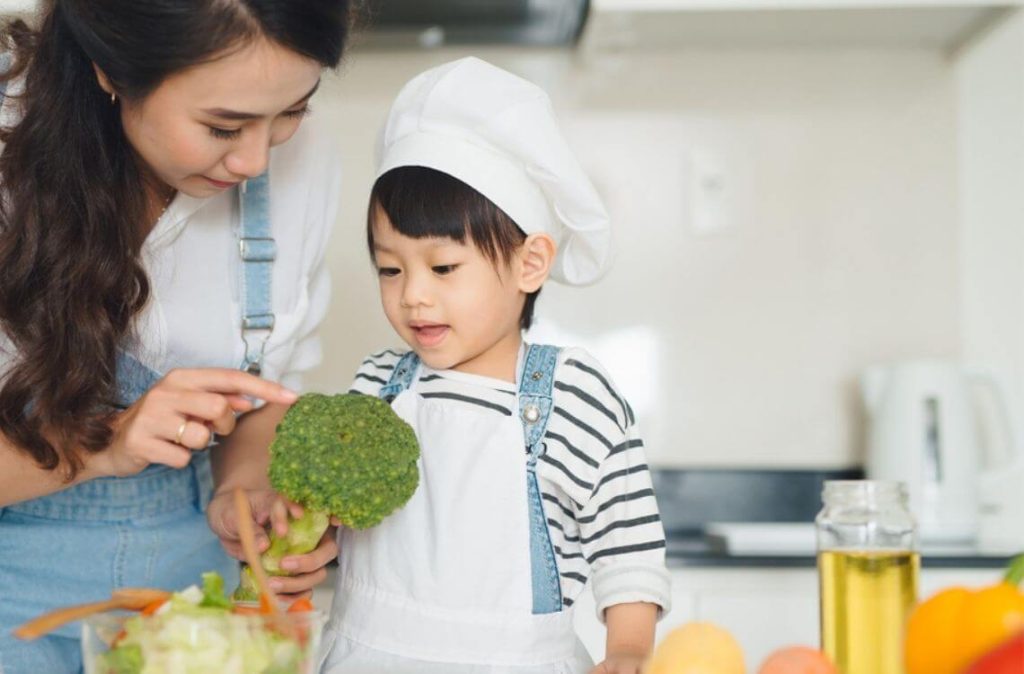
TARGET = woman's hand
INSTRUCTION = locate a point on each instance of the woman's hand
(268, 508)
(180, 414)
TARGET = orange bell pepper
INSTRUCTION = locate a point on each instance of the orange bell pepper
(953, 628)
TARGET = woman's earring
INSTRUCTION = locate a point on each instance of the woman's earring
(113, 98)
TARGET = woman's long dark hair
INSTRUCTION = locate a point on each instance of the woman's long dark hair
(73, 199)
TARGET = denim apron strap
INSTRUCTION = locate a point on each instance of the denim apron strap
(133, 379)
(258, 251)
(536, 382)
(401, 377)
(5, 62)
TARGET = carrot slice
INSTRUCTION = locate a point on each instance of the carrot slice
(153, 606)
(301, 605)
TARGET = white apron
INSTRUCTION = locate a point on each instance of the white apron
(444, 585)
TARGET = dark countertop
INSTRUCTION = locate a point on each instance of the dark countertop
(692, 498)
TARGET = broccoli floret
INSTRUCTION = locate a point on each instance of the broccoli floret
(345, 455)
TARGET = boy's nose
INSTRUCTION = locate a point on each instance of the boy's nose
(414, 294)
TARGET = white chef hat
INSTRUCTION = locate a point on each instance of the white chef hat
(497, 133)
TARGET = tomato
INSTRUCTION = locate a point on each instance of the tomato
(1007, 658)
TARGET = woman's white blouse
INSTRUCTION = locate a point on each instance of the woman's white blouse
(193, 318)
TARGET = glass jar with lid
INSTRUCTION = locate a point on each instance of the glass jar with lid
(868, 574)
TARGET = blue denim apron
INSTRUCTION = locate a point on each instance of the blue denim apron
(147, 530)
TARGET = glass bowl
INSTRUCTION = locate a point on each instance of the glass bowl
(223, 643)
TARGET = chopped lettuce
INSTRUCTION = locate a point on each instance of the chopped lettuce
(196, 633)
(213, 591)
(125, 659)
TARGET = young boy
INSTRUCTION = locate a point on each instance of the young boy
(533, 476)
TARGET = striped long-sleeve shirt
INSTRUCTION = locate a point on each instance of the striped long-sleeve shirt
(593, 475)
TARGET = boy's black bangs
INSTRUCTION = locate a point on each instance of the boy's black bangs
(422, 202)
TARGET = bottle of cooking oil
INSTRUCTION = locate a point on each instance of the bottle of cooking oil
(867, 568)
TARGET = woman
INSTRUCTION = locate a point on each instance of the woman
(151, 296)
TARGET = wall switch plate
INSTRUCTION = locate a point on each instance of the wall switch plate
(709, 195)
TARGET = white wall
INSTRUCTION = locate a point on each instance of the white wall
(990, 97)
(740, 347)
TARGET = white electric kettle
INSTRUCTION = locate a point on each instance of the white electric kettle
(925, 430)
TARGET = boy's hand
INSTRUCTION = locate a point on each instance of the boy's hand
(268, 509)
(626, 663)
(308, 570)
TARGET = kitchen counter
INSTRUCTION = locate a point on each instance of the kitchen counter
(767, 515)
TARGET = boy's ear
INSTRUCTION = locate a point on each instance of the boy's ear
(536, 256)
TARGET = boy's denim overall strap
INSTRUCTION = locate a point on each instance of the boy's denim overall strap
(536, 382)
(401, 377)
(258, 250)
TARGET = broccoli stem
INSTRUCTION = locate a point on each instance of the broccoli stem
(303, 536)
(247, 589)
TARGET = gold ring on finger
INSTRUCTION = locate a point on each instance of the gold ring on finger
(181, 432)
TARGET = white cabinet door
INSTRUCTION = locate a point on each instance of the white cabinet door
(592, 632)
(764, 620)
(764, 609)
(760, 607)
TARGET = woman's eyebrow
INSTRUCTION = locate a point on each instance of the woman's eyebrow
(224, 113)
